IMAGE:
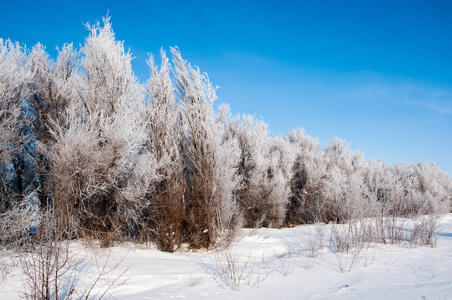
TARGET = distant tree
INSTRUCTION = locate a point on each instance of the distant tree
(421, 189)
(264, 170)
(344, 190)
(309, 170)
(435, 188)
(380, 181)
(280, 172)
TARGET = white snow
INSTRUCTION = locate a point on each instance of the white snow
(279, 267)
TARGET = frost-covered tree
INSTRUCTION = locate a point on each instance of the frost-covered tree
(421, 189)
(434, 188)
(265, 168)
(309, 170)
(101, 172)
(344, 190)
(381, 183)
(15, 75)
(16, 205)
(81, 136)
(251, 135)
(210, 160)
(280, 171)
(166, 213)
(47, 105)
(405, 192)
(227, 181)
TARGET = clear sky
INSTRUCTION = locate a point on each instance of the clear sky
(375, 73)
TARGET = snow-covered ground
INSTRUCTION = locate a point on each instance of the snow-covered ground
(274, 264)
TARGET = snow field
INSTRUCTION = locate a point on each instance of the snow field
(290, 263)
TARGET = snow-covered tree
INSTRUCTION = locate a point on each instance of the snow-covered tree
(280, 171)
(16, 205)
(165, 216)
(111, 156)
(421, 189)
(265, 168)
(100, 171)
(309, 170)
(47, 106)
(210, 160)
(344, 190)
(15, 75)
(435, 188)
(227, 182)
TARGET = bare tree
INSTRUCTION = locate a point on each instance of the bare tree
(48, 264)
(55, 270)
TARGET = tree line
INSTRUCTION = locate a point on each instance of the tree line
(112, 158)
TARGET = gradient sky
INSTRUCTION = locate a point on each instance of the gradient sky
(376, 73)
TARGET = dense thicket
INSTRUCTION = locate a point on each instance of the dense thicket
(113, 158)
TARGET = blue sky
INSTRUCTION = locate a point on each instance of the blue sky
(375, 73)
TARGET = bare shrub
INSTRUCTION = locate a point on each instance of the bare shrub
(47, 263)
(103, 279)
(391, 229)
(424, 231)
(194, 281)
(52, 269)
(350, 241)
(285, 268)
(314, 241)
(231, 271)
